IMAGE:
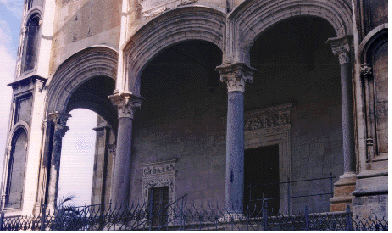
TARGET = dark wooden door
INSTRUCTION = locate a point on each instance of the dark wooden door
(261, 178)
(160, 200)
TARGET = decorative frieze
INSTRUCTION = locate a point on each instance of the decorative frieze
(268, 117)
(235, 76)
(156, 175)
(152, 8)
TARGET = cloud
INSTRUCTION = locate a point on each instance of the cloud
(14, 6)
(7, 66)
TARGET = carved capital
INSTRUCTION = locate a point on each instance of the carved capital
(126, 103)
(59, 120)
(366, 71)
(235, 76)
(341, 46)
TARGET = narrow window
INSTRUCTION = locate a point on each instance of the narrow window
(261, 179)
(29, 4)
(31, 43)
(159, 200)
(16, 171)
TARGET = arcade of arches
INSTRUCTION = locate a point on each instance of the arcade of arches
(210, 100)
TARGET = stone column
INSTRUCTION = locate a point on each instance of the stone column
(126, 103)
(235, 76)
(346, 184)
(59, 121)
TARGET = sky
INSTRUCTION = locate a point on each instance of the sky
(78, 143)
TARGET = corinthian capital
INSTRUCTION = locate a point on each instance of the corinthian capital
(235, 76)
(126, 103)
(59, 120)
(341, 46)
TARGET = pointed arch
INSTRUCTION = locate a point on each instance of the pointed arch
(181, 24)
(77, 70)
(253, 16)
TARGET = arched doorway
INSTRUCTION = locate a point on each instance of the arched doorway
(181, 125)
(86, 80)
(296, 68)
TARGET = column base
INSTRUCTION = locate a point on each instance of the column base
(371, 194)
(343, 192)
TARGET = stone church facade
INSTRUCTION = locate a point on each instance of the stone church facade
(207, 98)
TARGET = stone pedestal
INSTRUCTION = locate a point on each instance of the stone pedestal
(371, 194)
(343, 192)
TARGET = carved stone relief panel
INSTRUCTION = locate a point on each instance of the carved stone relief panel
(152, 8)
(266, 118)
(160, 174)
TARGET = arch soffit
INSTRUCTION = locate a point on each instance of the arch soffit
(177, 25)
(252, 17)
(77, 69)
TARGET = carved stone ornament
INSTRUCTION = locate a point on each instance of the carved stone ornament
(126, 103)
(152, 8)
(161, 174)
(112, 149)
(341, 46)
(268, 117)
(366, 71)
(235, 76)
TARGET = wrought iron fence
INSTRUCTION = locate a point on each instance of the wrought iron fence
(287, 187)
(179, 216)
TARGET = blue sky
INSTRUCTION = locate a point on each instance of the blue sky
(79, 141)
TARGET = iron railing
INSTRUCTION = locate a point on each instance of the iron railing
(180, 216)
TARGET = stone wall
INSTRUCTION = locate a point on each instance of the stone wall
(81, 24)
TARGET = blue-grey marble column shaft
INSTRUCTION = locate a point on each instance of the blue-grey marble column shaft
(127, 105)
(341, 47)
(235, 76)
(235, 151)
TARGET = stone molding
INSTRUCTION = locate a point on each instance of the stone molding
(341, 46)
(235, 76)
(268, 117)
(169, 28)
(88, 63)
(156, 175)
(152, 8)
(126, 103)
